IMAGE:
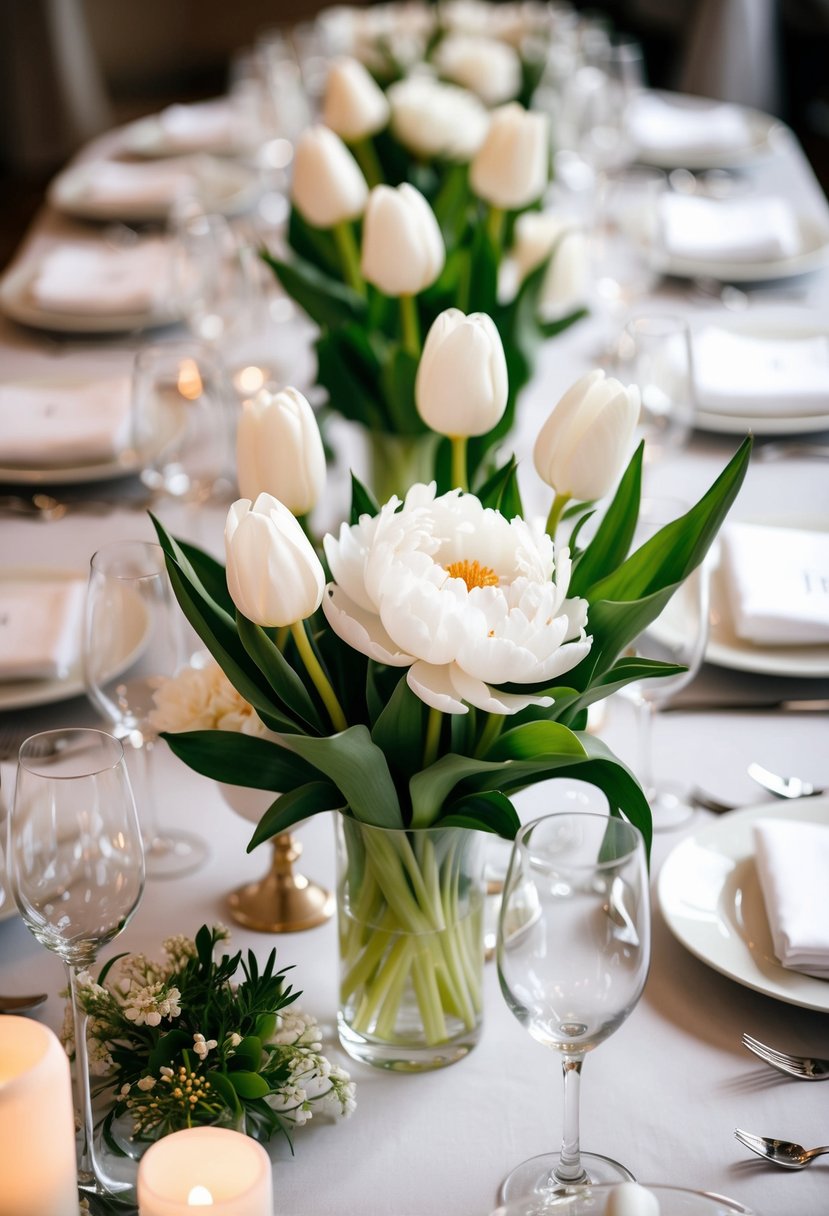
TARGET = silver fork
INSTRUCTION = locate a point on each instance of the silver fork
(782, 787)
(780, 1152)
(805, 1068)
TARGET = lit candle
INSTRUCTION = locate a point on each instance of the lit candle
(205, 1167)
(38, 1171)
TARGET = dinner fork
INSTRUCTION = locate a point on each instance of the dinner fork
(780, 1152)
(782, 787)
(805, 1068)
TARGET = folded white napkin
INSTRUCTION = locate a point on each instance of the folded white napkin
(153, 184)
(208, 126)
(793, 861)
(101, 279)
(659, 125)
(48, 425)
(761, 229)
(778, 583)
(762, 377)
(40, 628)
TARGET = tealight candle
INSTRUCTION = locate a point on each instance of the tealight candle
(205, 1167)
(38, 1171)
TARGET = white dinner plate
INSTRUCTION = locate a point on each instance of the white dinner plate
(224, 186)
(726, 649)
(148, 138)
(18, 303)
(812, 254)
(710, 896)
(759, 142)
(22, 694)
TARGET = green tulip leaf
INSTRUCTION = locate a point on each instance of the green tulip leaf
(534, 740)
(431, 787)
(286, 684)
(400, 729)
(237, 759)
(362, 501)
(489, 812)
(327, 301)
(291, 808)
(612, 540)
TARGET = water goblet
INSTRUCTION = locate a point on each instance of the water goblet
(134, 636)
(573, 953)
(655, 352)
(76, 872)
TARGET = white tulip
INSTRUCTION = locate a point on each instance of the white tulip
(581, 448)
(566, 284)
(491, 69)
(273, 574)
(354, 104)
(328, 184)
(511, 168)
(462, 386)
(434, 119)
(536, 232)
(279, 450)
(403, 251)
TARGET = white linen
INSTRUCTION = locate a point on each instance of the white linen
(738, 373)
(793, 861)
(40, 627)
(659, 126)
(209, 126)
(761, 229)
(154, 184)
(778, 583)
(51, 424)
(77, 276)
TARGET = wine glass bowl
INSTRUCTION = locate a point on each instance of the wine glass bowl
(573, 954)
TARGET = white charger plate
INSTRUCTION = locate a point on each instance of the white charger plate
(18, 302)
(812, 254)
(710, 897)
(760, 139)
(225, 186)
(22, 694)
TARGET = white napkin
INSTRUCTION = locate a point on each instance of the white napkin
(40, 628)
(761, 377)
(778, 583)
(53, 424)
(761, 229)
(154, 184)
(100, 279)
(793, 861)
(209, 126)
(658, 125)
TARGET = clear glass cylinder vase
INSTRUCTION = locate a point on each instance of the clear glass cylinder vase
(411, 938)
(398, 461)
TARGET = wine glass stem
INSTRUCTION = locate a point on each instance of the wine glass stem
(645, 714)
(569, 1168)
(86, 1159)
(145, 795)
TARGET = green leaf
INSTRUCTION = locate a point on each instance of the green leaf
(501, 492)
(348, 369)
(610, 544)
(327, 301)
(357, 766)
(399, 369)
(293, 807)
(211, 574)
(535, 740)
(431, 787)
(265, 1026)
(488, 812)
(249, 1084)
(238, 759)
(400, 729)
(220, 1082)
(362, 501)
(483, 273)
(167, 1049)
(247, 1055)
(285, 682)
(204, 946)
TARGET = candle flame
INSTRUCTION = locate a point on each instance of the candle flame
(189, 381)
(199, 1197)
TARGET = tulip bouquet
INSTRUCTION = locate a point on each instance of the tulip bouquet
(444, 661)
(387, 235)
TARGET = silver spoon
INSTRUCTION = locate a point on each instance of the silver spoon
(20, 1004)
(780, 1152)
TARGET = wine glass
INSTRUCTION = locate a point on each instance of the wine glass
(573, 952)
(134, 637)
(624, 236)
(655, 353)
(679, 635)
(76, 872)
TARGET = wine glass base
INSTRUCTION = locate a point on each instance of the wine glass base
(670, 807)
(537, 1176)
(172, 854)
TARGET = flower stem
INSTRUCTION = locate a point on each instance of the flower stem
(559, 503)
(489, 734)
(349, 256)
(320, 679)
(368, 160)
(410, 325)
(459, 471)
(282, 635)
(432, 744)
(495, 225)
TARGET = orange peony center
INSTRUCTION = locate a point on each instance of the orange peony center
(473, 573)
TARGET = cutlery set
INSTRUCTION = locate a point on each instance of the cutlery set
(784, 1153)
(773, 783)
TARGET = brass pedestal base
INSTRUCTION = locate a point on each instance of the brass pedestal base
(282, 901)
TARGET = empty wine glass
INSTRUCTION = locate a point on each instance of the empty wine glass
(624, 236)
(655, 353)
(573, 953)
(134, 637)
(679, 636)
(76, 871)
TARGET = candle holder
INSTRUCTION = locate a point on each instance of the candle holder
(283, 901)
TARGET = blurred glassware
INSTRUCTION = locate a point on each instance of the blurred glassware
(624, 236)
(655, 352)
(594, 104)
(594, 1200)
(216, 276)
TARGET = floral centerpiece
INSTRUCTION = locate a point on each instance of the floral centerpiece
(187, 1041)
(444, 661)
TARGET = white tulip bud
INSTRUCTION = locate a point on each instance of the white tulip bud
(462, 385)
(328, 184)
(273, 574)
(536, 232)
(354, 104)
(566, 284)
(434, 119)
(403, 251)
(581, 448)
(511, 168)
(279, 450)
(487, 67)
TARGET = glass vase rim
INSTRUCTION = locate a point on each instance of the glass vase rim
(433, 827)
(637, 844)
(36, 765)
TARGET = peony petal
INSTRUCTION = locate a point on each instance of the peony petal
(434, 686)
(491, 700)
(361, 629)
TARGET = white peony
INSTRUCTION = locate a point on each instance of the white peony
(203, 698)
(458, 594)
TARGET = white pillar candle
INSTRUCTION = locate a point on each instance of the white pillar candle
(38, 1171)
(205, 1167)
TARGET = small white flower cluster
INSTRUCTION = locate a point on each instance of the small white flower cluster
(202, 1046)
(147, 1006)
(315, 1085)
